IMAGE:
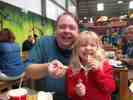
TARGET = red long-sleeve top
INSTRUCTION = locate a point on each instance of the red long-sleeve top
(99, 84)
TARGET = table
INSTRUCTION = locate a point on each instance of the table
(32, 95)
(120, 74)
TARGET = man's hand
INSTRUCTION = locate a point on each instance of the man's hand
(56, 69)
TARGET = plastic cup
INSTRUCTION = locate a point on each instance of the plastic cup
(17, 94)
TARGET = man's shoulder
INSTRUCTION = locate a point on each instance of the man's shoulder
(44, 38)
(47, 39)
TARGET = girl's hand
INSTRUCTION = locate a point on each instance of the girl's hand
(80, 89)
(94, 63)
(56, 69)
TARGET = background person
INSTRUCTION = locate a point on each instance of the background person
(11, 66)
(28, 43)
(128, 46)
(35, 38)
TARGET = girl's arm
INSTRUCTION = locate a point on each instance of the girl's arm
(104, 78)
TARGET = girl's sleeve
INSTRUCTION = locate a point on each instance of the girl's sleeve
(104, 79)
(70, 84)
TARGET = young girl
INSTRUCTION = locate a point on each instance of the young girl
(11, 67)
(89, 76)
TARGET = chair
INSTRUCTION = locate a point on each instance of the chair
(7, 85)
(121, 78)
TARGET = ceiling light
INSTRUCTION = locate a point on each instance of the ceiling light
(131, 4)
(85, 18)
(119, 2)
(100, 6)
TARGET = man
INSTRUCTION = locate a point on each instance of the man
(50, 48)
(128, 46)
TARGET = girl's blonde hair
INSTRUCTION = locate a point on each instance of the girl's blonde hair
(86, 36)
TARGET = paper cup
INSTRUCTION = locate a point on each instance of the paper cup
(44, 95)
(17, 94)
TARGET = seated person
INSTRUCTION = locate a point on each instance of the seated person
(28, 43)
(128, 46)
(11, 66)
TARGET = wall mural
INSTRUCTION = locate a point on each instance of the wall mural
(24, 23)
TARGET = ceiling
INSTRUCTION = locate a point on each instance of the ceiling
(88, 8)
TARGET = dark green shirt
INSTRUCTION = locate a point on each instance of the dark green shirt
(46, 50)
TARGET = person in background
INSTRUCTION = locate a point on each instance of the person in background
(127, 46)
(35, 38)
(49, 48)
(114, 37)
(28, 43)
(11, 66)
(89, 75)
(106, 38)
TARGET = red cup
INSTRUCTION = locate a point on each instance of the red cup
(17, 94)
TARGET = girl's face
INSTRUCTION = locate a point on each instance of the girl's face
(87, 51)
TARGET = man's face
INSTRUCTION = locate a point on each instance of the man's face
(67, 31)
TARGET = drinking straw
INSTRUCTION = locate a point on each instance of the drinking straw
(21, 81)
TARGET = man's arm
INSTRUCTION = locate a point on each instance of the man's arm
(55, 68)
(37, 71)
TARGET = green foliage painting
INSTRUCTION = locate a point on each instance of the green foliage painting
(24, 23)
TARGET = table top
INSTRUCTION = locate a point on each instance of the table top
(32, 95)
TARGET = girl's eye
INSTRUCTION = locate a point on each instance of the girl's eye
(83, 45)
(93, 45)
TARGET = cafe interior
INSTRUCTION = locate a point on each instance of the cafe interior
(108, 18)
